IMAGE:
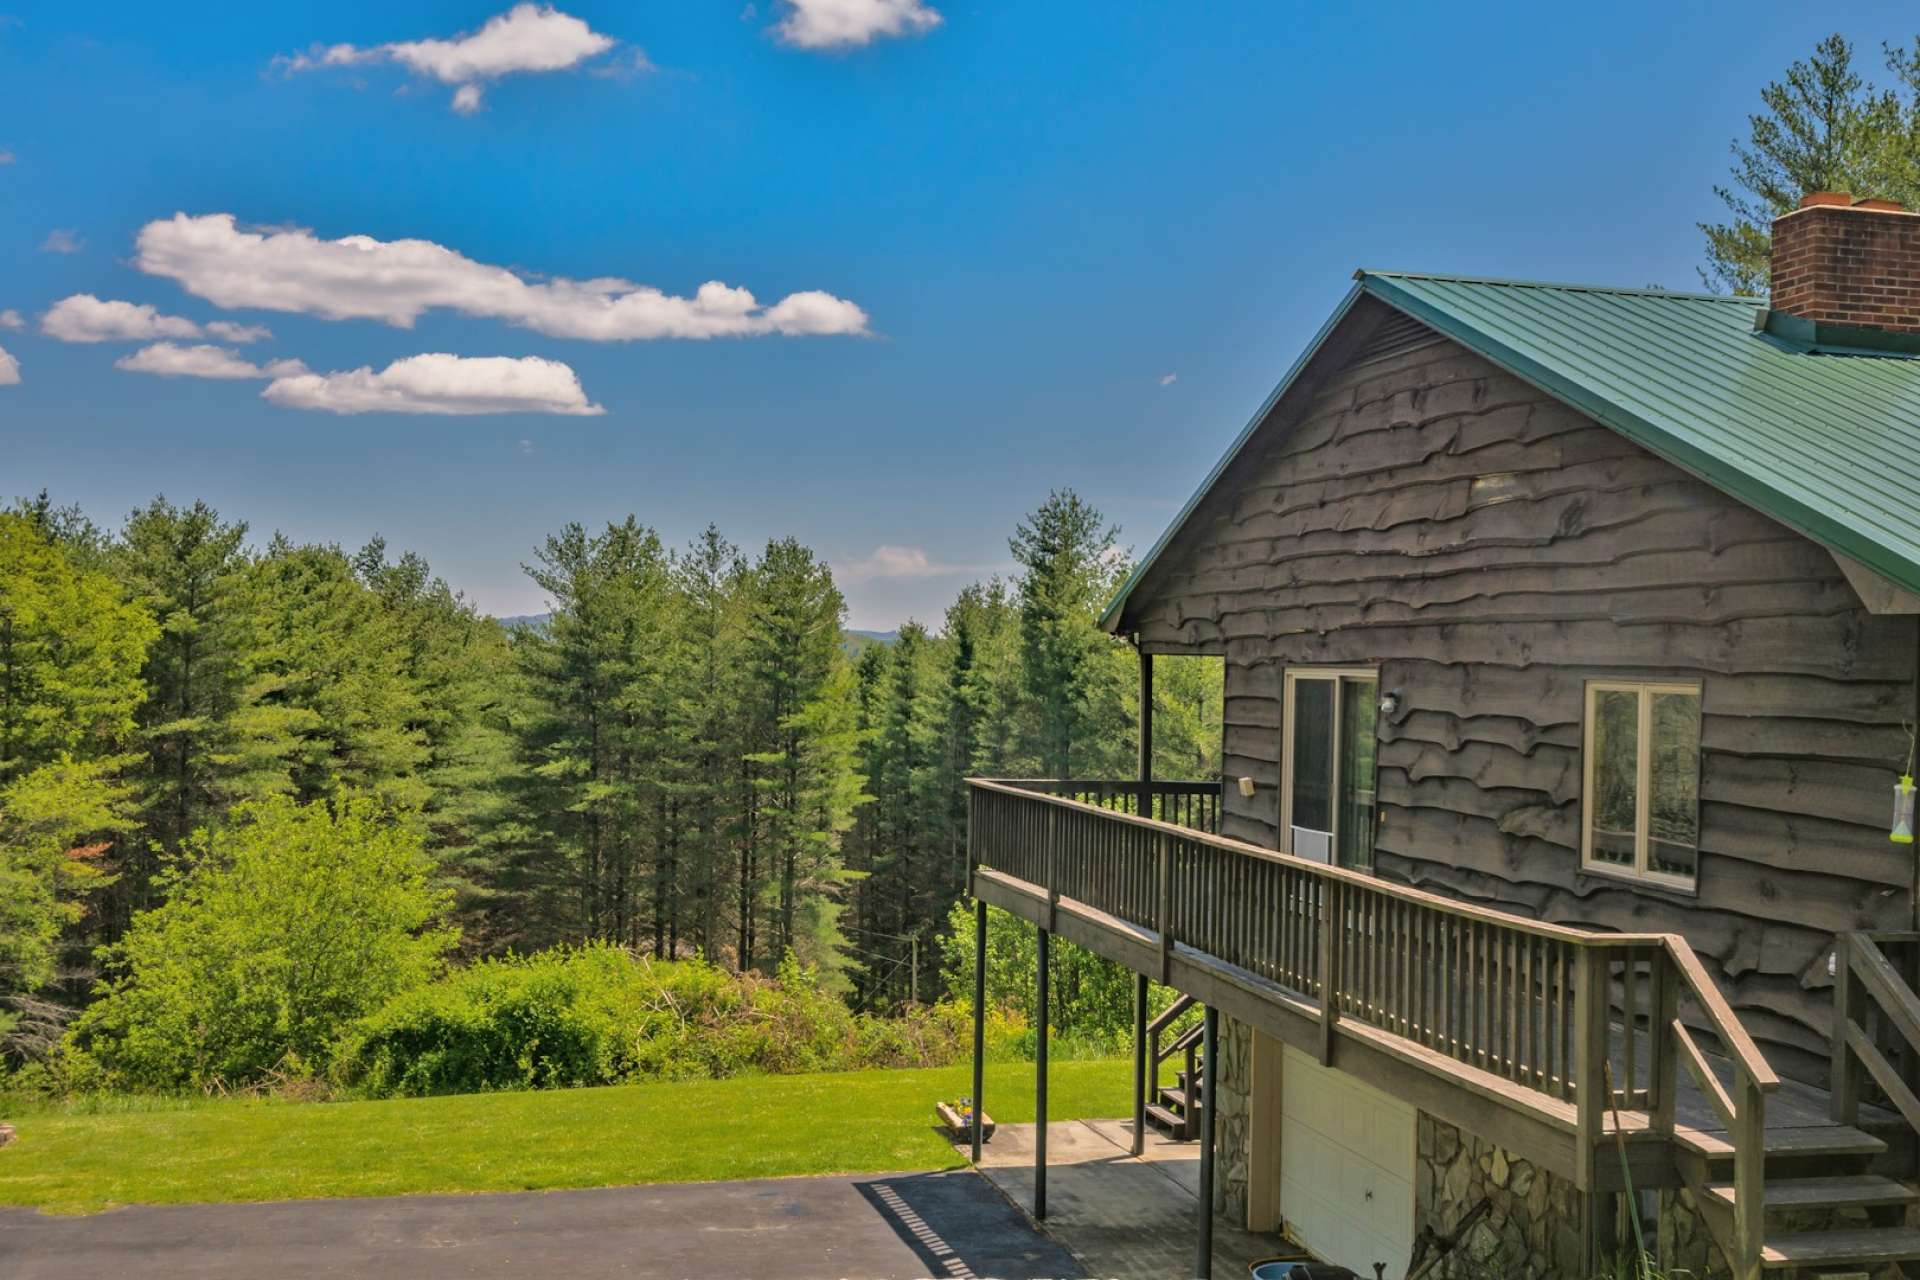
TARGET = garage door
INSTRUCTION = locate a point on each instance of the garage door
(1346, 1167)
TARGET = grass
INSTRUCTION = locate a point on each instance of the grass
(749, 1127)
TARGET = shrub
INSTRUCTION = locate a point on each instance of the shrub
(597, 1014)
(279, 931)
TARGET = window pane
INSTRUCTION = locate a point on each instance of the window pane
(1359, 706)
(1674, 816)
(1313, 754)
(1616, 768)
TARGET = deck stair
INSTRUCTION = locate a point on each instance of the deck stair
(1821, 1169)
(1175, 1111)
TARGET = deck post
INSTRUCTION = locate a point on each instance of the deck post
(1141, 1065)
(1332, 925)
(1146, 733)
(1589, 1053)
(979, 1017)
(1209, 1069)
(1040, 1083)
(1844, 1101)
(1145, 810)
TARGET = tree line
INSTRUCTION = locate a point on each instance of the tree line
(688, 756)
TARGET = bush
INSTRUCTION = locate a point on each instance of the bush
(279, 932)
(598, 1014)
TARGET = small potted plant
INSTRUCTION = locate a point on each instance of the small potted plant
(957, 1116)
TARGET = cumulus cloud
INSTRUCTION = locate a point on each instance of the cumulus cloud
(9, 369)
(171, 360)
(527, 39)
(82, 317)
(11, 319)
(840, 24)
(1168, 379)
(62, 240)
(238, 332)
(441, 384)
(358, 277)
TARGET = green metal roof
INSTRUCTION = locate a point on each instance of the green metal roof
(1817, 429)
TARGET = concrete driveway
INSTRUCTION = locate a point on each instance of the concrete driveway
(952, 1225)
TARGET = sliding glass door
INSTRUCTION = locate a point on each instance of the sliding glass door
(1327, 765)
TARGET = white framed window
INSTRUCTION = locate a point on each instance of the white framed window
(1328, 740)
(1640, 801)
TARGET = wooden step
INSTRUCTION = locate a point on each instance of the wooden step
(1841, 1248)
(1166, 1120)
(1860, 1190)
(1174, 1098)
(1820, 1140)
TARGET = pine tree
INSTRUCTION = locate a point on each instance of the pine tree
(1072, 674)
(800, 772)
(1823, 128)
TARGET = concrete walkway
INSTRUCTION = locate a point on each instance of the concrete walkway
(1125, 1217)
(953, 1225)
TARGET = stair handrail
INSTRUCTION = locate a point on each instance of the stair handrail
(1862, 972)
(1168, 1014)
(1165, 1018)
(1743, 1109)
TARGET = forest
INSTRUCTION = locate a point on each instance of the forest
(687, 759)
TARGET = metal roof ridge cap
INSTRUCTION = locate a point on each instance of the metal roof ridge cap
(1515, 282)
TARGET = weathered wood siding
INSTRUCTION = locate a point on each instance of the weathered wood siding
(1491, 549)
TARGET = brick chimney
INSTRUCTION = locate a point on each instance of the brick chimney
(1842, 261)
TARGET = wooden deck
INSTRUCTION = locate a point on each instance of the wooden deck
(1558, 1044)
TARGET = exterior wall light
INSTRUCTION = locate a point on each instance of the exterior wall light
(1389, 702)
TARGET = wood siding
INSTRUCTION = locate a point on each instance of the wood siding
(1490, 550)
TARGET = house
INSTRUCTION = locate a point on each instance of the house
(1572, 658)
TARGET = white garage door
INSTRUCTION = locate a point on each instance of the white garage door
(1346, 1167)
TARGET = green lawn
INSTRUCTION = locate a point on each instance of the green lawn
(755, 1127)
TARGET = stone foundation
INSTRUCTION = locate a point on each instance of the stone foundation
(1533, 1229)
(1233, 1082)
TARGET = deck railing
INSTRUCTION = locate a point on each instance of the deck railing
(1544, 1007)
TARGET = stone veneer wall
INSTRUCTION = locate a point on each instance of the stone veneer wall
(1233, 1081)
(1534, 1228)
(1533, 1232)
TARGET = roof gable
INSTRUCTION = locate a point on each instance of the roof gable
(1826, 442)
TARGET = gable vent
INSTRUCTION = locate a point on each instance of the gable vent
(1398, 332)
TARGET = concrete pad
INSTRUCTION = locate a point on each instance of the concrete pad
(952, 1225)
(1125, 1217)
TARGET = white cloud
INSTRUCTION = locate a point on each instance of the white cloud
(85, 318)
(238, 332)
(9, 369)
(6, 156)
(441, 384)
(170, 360)
(11, 319)
(358, 277)
(528, 38)
(82, 317)
(62, 240)
(1168, 379)
(838, 24)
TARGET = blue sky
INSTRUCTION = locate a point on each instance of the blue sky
(1085, 239)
